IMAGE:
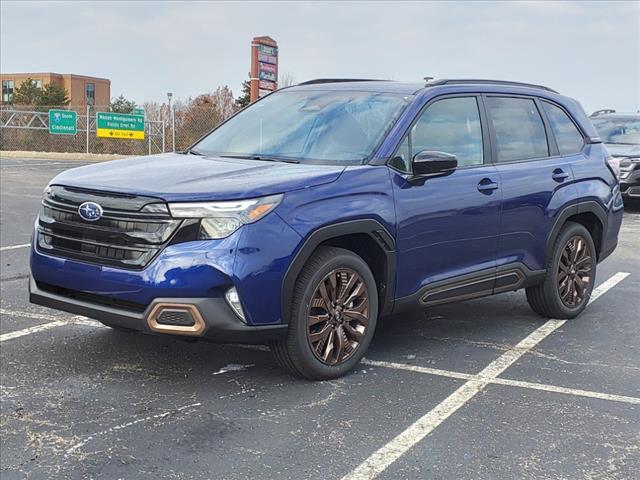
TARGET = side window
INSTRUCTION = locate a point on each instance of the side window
(402, 158)
(518, 128)
(568, 137)
(451, 125)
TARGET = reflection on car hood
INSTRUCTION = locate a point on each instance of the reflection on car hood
(178, 177)
(617, 150)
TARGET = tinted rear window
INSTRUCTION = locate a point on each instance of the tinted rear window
(518, 128)
(568, 137)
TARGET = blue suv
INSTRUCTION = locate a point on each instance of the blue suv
(309, 215)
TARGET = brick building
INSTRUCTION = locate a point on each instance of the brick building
(82, 90)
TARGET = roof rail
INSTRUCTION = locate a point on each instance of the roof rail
(473, 81)
(604, 111)
(339, 80)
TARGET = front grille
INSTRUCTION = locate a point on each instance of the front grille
(125, 236)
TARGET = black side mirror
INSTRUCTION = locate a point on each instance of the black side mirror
(429, 163)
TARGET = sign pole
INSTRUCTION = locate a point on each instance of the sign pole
(163, 129)
(88, 127)
(173, 127)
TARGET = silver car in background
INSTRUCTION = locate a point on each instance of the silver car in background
(621, 134)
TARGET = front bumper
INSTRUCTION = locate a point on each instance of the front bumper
(220, 324)
(630, 179)
(630, 190)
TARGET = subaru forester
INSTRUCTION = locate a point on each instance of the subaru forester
(306, 217)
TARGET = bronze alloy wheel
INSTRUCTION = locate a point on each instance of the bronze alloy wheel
(338, 316)
(574, 271)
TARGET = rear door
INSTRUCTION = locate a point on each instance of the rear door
(447, 226)
(536, 179)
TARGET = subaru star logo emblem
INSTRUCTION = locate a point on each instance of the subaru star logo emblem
(90, 211)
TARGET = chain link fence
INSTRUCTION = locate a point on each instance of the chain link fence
(27, 129)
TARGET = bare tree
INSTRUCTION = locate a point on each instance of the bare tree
(198, 115)
(286, 79)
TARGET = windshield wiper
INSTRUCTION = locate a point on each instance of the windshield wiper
(193, 151)
(265, 158)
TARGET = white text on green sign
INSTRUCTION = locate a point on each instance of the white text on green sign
(120, 121)
(63, 122)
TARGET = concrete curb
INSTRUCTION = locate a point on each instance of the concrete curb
(92, 157)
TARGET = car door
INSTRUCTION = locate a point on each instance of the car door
(536, 181)
(448, 226)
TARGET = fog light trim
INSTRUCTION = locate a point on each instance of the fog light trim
(233, 300)
(197, 329)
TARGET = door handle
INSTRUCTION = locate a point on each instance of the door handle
(559, 175)
(487, 186)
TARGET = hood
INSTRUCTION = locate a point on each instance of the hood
(178, 177)
(617, 150)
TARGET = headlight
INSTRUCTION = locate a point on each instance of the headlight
(221, 219)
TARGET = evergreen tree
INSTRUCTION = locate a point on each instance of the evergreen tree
(245, 98)
(52, 95)
(27, 93)
(122, 105)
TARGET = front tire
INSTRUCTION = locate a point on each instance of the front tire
(333, 316)
(571, 272)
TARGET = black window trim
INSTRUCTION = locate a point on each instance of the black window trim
(9, 89)
(484, 128)
(552, 147)
(584, 137)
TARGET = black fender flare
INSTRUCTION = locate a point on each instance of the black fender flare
(590, 206)
(370, 227)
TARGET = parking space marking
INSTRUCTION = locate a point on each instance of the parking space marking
(418, 369)
(378, 462)
(129, 424)
(28, 331)
(567, 391)
(504, 381)
(52, 322)
(33, 315)
(14, 247)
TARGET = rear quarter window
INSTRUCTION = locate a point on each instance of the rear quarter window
(518, 128)
(568, 137)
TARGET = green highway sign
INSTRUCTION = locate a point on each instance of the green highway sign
(138, 111)
(119, 125)
(63, 122)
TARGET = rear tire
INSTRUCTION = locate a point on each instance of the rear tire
(333, 317)
(571, 271)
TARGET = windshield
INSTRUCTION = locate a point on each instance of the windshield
(618, 130)
(308, 126)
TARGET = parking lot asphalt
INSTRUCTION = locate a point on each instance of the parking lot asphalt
(483, 389)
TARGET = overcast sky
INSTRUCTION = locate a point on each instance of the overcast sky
(587, 50)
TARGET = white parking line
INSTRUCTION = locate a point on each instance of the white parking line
(14, 247)
(503, 381)
(53, 321)
(36, 316)
(28, 331)
(129, 424)
(419, 369)
(567, 391)
(378, 462)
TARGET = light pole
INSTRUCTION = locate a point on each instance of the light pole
(173, 122)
